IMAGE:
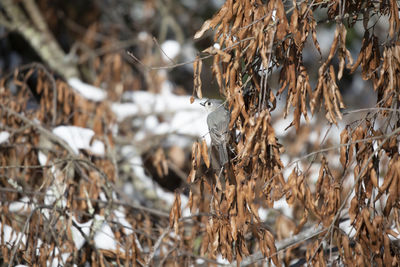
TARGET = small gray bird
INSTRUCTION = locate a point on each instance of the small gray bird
(218, 124)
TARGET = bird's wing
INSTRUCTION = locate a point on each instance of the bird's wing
(218, 126)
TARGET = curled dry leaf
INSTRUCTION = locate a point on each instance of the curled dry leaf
(203, 29)
(197, 67)
(175, 214)
(160, 162)
(204, 153)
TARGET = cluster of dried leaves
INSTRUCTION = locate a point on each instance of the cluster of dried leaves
(44, 205)
(256, 38)
(27, 114)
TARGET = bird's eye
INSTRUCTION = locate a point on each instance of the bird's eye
(208, 103)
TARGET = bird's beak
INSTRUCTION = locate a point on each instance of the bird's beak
(203, 104)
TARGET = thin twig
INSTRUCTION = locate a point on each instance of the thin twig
(187, 62)
(162, 51)
(156, 246)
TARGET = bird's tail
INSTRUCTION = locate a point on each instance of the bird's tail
(223, 154)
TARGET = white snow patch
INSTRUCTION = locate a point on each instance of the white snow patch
(4, 136)
(104, 238)
(123, 110)
(103, 196)
(347, 228)
(56, 262)
(42, 158)
(164, 195)
(285, 159)
(184, 206)
(312, 137)
(121, 218)
(179, 117)
(21, 205)
(262, 213)
(170, 49)
(200, 261)
(274, 15)
(143, 36)
(79, 138)
(88, 91)
(281, 124)
(137, 166)
(150, 122)
(283, 206)
(77, 237)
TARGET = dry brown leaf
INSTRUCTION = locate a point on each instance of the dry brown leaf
(204, 153)
(175, 214)
(206, 25)
(197, 67)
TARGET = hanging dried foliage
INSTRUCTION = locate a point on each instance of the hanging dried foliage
(257, 38)
(57, 188)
